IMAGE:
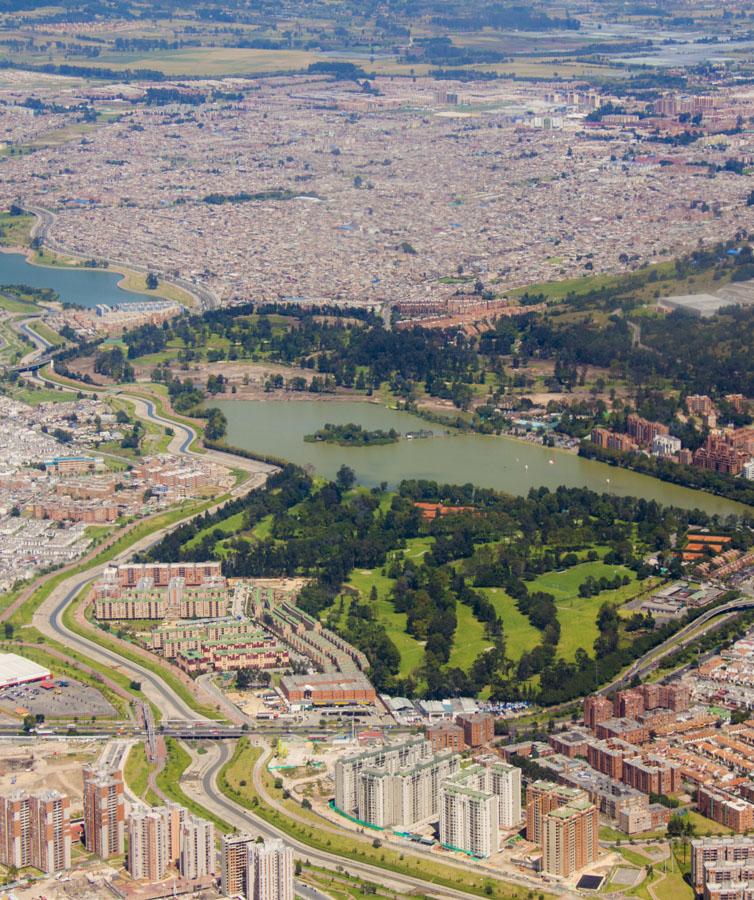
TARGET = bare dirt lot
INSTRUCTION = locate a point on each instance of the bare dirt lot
(52, 765)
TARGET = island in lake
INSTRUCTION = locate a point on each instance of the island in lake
(352, 435)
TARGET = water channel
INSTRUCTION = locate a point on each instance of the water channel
(277, 427)
(86, 287)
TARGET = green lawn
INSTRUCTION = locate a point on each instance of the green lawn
(137, 769)
(410, 649)
(469, 640)
(230, 526)
(44, 331)
(12, 305)
(35, 396)
(578, 615)
(705, 826)
(15, 230)
(520, 635)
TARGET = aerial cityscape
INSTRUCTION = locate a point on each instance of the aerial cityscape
(377, 450)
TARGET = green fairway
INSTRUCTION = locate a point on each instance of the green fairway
(565, 584)
(469, 640)
(410, 649)
(578, 615)
(520, 635)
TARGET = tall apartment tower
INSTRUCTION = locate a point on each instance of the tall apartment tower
(234, 861)
(50, 831)
(571, 838)
(269, 874)
(175, 815)
(104, 811)
(541, 798)
(197, 844)
(469, 820)
(505, 782)
(35, 830)
(148, 844)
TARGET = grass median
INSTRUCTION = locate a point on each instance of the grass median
(169, 782)
(150, 663)
(136, 771)
(23, 615)
(237, 783)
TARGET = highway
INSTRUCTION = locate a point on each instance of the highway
(682, 638)
(215, 801)
(152, 686)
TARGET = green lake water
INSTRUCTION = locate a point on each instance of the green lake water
(277, 427)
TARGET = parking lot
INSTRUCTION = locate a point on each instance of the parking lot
(59, 702)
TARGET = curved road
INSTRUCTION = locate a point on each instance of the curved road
(45, 219)
(243, 819)
(679, 640)
(168, 702)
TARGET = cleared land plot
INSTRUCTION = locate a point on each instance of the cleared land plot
(214, 61)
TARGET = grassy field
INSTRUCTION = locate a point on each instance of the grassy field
(14, 230)
(578, 615)
(469, 640)
(410, 649)
(520, 635)
(165, 290)
(35, 396)
(11, 305)
(137, 769)
(44, 331)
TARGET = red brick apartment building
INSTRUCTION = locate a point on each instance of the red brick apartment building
(612, 440)
(730, 811)
(193, 573)
(478, 728)
(643, 431)
(719, 455)
(104, 811)
(597, 709)
(445, 736)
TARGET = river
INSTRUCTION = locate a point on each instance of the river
(277, 427)
(87, 287)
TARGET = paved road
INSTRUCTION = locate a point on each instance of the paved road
(682, 638)
(214, 800)
(245, 820)
(49, 619)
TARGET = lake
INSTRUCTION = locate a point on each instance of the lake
(87, 287)
(277, 428)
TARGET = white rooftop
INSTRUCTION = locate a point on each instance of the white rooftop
(14, 668)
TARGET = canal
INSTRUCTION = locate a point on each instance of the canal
(86, 287)
(277, 428)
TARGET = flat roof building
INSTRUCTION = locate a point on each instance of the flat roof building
(16, 669)
(329, 689)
